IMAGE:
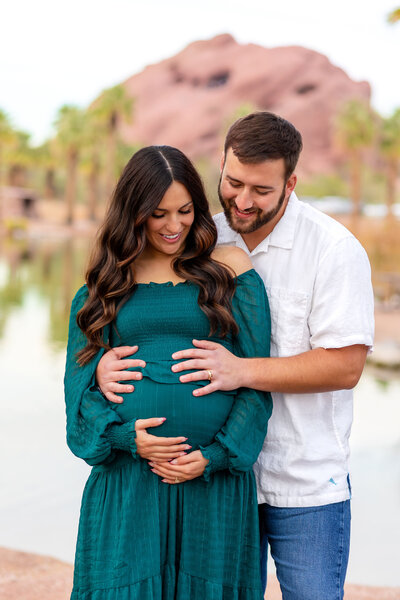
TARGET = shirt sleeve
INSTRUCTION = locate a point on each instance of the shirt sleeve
(239, 442)
(94, 430)
(342, 310)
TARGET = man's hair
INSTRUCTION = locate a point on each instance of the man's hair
(264, 136)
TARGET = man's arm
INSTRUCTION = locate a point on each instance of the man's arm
(341, 331)
(317, 370)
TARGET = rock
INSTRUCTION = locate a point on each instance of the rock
(188, 100)
(26, 576)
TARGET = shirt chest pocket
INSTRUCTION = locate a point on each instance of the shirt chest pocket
(288, 320)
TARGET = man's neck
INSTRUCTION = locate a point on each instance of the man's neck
(252, 240)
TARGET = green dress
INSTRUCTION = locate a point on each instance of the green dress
(140, 538)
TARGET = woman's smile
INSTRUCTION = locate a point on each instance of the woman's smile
(171, 238)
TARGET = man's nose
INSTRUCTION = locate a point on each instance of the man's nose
(243, 200)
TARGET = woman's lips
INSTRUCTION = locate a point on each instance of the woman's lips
(171, 240)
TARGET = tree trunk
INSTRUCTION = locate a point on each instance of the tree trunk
(391, 185)
(1, 191)
(111, 155)
(356, 182)
(93, 186)
(50, 191)
(70, 188)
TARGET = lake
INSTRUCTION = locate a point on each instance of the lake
(41, 482)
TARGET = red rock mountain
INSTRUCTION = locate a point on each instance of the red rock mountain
(189, 99)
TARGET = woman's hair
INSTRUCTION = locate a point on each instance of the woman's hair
(121, 240)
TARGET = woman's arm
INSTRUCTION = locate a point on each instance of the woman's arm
(94, 429)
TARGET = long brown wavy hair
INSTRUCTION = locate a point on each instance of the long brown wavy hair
(110, 276)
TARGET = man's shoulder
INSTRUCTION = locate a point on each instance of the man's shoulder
(316, 223)
(220, 220)
(226, 235)
(325, 238)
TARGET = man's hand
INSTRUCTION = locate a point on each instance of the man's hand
(158, 449)
(181, 469)
(226, 368)
(110, 370)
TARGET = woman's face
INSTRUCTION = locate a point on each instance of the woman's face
(170, 223)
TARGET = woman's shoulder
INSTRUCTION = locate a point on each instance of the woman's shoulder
(233, 257)
(80, 298)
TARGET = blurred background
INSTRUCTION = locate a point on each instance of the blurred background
(85, 84)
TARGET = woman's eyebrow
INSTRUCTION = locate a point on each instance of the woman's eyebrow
(180, 208)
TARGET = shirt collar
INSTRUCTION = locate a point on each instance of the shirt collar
(281, 236)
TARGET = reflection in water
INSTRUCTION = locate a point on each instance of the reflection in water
(51, 270)
(42, 485)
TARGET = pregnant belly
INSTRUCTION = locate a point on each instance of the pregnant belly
(198, 419)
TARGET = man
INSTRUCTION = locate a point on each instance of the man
(317, 278)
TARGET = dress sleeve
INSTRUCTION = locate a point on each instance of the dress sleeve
(94, 429)
(239, 442)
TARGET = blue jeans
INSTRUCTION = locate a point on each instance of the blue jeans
(310, 547)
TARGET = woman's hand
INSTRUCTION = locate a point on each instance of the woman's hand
(181, 469)
(154, 448)
(111, 370)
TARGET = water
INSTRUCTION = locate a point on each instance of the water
(41, 482)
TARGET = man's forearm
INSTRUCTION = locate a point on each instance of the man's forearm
(318, 370)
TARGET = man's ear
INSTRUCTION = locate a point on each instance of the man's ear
(222, 163)
(291, 183)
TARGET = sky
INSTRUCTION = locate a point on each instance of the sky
(54, 53)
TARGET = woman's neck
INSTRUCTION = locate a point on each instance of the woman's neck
(155, 268)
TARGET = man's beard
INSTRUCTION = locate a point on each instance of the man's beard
(261, 217)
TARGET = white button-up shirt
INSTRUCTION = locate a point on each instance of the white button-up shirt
(318, 281)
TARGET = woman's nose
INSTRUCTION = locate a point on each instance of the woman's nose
(174, 225)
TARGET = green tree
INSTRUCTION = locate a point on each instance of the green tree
(6, 137)
(355, 131)
(70, 128)
(390, 148)
(93, 138)
(19, 157)
(47, 163)
(113, 106)
(394, 16)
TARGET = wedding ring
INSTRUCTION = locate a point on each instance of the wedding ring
(210, 375)
(177, 480)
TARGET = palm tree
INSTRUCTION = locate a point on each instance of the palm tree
(70, 127)
(94, 134)
(356, 127)
(46, 160)
(394, 15)
(6, 137)
(20, 156)
(111, 107)
(390, 147)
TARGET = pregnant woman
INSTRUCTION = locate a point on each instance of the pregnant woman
(156, 279)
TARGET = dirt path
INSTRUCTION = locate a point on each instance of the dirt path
(26, 576)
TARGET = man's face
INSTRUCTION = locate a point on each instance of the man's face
(253, 195)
